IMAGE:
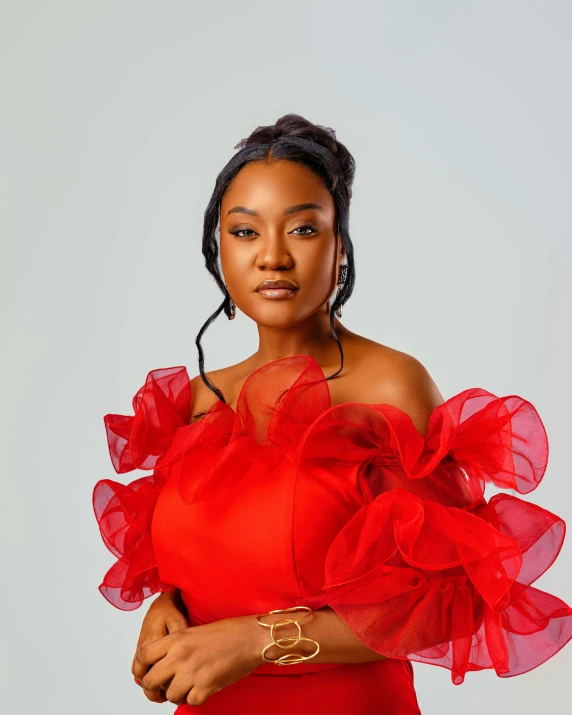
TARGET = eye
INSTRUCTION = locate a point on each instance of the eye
(241, 230)
(312, 230)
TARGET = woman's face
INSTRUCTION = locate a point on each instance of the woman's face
(267, 235)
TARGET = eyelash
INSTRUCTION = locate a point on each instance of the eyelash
(241, 230)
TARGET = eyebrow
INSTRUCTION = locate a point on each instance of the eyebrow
(290, 210)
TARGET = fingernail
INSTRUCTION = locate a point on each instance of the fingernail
(137, 681)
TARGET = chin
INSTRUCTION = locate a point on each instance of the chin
(279, 316)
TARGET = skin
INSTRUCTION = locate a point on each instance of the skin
(179, 663)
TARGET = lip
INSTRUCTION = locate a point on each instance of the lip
(276, 289)
(276, 285)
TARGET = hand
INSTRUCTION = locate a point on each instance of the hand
(165, 615)
(193, 663)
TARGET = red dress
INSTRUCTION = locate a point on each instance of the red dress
(290, 501)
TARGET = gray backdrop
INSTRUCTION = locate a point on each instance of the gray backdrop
(116, 117)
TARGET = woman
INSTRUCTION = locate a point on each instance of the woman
(324, 478)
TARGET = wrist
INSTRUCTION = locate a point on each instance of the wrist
(171, 598)
(255, 638)
(288, 631)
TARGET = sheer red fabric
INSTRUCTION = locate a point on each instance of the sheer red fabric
(124, 512)
(390, 528)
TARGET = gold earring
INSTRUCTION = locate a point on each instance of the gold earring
(232, 310)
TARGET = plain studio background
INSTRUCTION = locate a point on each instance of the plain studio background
(116, 117)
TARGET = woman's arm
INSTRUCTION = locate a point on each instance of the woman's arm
(338, 643)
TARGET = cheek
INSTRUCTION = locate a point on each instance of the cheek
(316, 270)
(236, 269)
(316, 284)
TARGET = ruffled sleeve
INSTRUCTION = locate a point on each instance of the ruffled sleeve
(427, 569)
(124, 511)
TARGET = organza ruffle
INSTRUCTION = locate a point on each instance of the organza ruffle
(426, 569)
(448, 586)
(286, 404)
(124, 512)
(160, 407)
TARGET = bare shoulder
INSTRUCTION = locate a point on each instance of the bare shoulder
(379, 374)
(373, 373)
(226, 379)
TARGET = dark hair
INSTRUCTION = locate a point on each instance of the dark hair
(295, 139)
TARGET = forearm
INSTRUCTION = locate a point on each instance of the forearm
(338, 643)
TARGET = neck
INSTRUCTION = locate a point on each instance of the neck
(310, 337)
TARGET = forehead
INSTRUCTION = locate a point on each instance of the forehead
(265, 186)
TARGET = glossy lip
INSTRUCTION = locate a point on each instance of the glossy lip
(276, 290)
(276, 285)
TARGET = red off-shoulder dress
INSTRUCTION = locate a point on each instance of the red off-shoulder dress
(288, 500)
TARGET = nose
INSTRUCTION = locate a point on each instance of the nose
(273, 254)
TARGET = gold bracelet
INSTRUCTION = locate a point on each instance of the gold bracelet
(289, 658)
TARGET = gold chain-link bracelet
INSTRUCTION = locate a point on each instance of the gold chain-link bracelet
(288, 658)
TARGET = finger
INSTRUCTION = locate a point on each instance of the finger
(166, 684)
(137, 667)
(148, 636)
(160, 674)
(155, 696)
(175, 623)
(197, 697)
(151, 653)
(139, 670)
(178, 689)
